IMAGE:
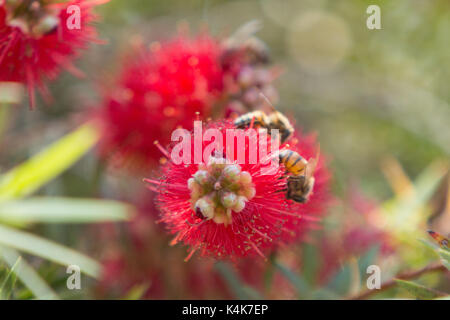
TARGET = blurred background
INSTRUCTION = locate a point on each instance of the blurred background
(378, 99)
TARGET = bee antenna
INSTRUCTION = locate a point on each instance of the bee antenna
(318, 153)
(267, 101)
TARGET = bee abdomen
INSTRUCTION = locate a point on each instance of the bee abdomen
(293, 162)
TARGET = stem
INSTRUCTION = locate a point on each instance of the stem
(432, 267)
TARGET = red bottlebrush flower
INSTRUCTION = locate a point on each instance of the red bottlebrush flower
(39, 38)
(160, 88)
(233, 210)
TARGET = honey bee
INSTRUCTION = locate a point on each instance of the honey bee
(244, 39)
(279, 121)
(440, 239)
(275, 120)
(259, 118)
(300, 182)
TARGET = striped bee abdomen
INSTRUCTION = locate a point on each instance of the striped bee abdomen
(293, 162)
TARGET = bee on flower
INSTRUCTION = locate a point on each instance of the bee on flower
(225, 208)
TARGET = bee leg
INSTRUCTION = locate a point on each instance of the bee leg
(286, 174)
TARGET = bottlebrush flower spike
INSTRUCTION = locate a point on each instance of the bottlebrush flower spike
(38, 39)
(224, 209)
(160, 88)
(163, 86)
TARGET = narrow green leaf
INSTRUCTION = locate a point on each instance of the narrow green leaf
(445, 254)
(311, 262)
(29, 176)
(446, 264)
(232, 279)
(406, 214)
(62, 210)
(417, 290)
(8, 283)
(324, 294)
(269, 273)
(295, 279)
(46, 249)
(136, 292)
(28, 276)
(367, 259)
(251, 293)
(340, 283)
(429, 244)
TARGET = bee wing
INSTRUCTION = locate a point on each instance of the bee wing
(312, 164)
(244, 32)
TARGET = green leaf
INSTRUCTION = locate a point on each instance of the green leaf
(269, 273)
(62, 210)
(28, 276)
(295, 279)
(136, 292)
(417, 290)
(367, 259)
(446, 264)
(8, 283)
(46, 249)
(324, 294)
(232, 279)
(407, 214)
(311, 262)
(251, 293)
(429, 244)
(47, 164)
(445, 254)
(445, 257)
(340, 283)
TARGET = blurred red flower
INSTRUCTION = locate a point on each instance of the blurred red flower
(36, 41)
(159, 89)
(245, 212)
(163, 86)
